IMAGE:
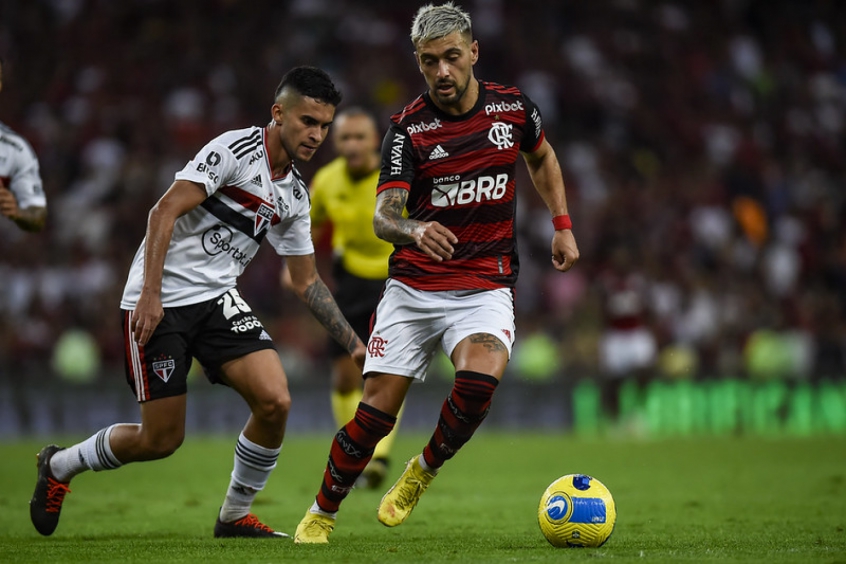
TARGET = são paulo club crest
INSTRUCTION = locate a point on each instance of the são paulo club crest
(263, 216)
(164, 368)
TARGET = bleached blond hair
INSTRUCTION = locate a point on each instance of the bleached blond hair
(433, 22)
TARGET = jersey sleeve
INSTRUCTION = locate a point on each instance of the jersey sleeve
(534, 135)
(292, 236)
(25, 183)
(397, 160)
(213, 167)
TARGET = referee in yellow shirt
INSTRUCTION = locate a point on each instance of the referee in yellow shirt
(343, 195)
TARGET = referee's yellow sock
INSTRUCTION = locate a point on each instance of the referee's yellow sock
(383, 448)
(344, 406)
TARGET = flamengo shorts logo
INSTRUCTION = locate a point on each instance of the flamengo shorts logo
(376, 346)
(164, 368)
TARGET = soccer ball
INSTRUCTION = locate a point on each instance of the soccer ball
(577, 510)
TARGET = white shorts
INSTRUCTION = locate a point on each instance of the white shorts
(621, 352)
(411, 323)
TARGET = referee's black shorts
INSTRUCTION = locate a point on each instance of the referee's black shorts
(357, 298)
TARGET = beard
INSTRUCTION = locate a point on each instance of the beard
(451, 99)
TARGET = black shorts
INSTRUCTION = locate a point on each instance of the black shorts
(214, 332)
(356, 298)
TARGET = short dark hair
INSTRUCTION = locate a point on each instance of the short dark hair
(312, 82)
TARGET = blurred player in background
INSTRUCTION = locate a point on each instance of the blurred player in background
(343, 199)
(449, 161)
(181, 301)
(627, 348)
(22, 198)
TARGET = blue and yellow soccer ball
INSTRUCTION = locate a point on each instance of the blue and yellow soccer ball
(577, 510)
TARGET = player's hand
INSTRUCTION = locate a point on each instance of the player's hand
(358, 355)
(435, 240)
(565, 253)
(8, 202)
(146, 317)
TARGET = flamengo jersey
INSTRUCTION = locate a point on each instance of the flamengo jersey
(214, 242)
(459, 171)
(19, 170)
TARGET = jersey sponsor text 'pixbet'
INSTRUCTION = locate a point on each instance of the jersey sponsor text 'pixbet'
(421, 127)
(503, 107)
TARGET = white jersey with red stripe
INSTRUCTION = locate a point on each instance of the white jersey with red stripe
(19, 170)
(212, 244)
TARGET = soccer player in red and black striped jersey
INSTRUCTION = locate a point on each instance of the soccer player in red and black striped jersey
(181, 302)
(449, 159)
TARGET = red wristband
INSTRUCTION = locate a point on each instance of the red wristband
(560, 222)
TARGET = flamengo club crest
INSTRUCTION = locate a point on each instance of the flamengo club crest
(500, 135)
(263, 217)
(164, 368)
(376, 346)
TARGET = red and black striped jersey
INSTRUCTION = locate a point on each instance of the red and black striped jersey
(460, 172)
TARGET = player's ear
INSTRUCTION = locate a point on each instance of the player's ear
(474, 52)
(277, 113)
(417, 60)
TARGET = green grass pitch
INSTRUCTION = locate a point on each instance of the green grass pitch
(682, 500)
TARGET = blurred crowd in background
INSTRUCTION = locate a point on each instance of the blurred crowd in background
(703, 146)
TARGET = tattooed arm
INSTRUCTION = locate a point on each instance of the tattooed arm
(28, 219)
(389, 224)
(309, 287)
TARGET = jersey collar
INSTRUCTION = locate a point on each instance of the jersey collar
(269, 165)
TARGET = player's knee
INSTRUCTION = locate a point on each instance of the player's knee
(274, 410)
(163, 445)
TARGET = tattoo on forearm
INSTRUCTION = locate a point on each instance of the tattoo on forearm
(390, 225)
(31, 219)
(488, 341)
(319, 300)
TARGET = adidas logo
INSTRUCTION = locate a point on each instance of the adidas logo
(256, 180)
(438, 153)
(264, 336)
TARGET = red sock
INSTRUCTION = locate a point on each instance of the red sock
(463, 411)
(351, 450)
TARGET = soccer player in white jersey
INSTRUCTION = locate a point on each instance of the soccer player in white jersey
(181, 301)
(22, 198)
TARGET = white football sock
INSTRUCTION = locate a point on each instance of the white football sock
(422, 460)
(94, 453)
(316, 509)
(253, 465)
